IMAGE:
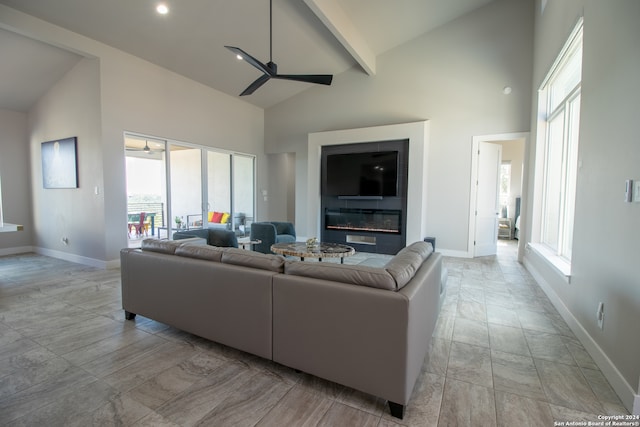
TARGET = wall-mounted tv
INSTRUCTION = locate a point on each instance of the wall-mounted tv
(373, 174)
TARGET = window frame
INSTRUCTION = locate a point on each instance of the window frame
(558, 254)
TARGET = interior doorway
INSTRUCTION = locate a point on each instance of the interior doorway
(495, 204)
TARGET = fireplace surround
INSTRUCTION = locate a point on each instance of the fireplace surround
(309, 204)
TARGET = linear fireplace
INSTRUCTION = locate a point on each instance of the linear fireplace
(370, 220)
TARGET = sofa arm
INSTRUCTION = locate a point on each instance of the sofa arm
(373, 340)
(284, 228)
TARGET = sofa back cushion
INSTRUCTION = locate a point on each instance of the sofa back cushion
(208, 253)
(354, 274)
(169, 246)
(252, 259)
(404, 265)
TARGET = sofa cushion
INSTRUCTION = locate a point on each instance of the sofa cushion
(169, 246)
(208, 253)
(253, 259)
(361, 275)
(404, 265)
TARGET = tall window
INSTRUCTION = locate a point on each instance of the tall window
(505, 185)
(1, 217)
(560, 101)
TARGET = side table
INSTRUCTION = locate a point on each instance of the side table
(505, 228)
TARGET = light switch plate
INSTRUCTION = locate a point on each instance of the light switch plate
(636, 191)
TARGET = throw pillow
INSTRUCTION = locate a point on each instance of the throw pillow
(210, 216)
(216, 217)
(225, 218)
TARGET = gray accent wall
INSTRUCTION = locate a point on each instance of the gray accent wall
(16, 182)
(452, 76)
(606, 246)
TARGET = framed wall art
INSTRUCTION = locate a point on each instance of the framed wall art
(60, 163)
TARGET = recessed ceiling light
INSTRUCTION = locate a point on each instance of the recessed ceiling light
(162, 9)
(507, 90)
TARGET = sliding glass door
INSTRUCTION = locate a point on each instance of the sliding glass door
(243, 193)
(219, 190)
(185, 172)
(192, 186)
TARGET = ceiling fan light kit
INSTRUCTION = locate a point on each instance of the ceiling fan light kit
(270, 69)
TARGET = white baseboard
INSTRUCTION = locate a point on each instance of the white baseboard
(454, 254)
(627, 395)
(17, 250)
(92, 262)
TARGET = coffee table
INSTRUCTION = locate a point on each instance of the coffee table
(323, 250)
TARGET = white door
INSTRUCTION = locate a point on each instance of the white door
(486, 238)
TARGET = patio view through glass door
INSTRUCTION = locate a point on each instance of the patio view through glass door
(146, 187)
(182, 186)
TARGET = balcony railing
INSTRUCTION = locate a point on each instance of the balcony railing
(148, 207)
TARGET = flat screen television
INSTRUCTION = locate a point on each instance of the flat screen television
(373, 174)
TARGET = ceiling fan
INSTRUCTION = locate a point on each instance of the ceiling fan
(270, 69)
(146, 149)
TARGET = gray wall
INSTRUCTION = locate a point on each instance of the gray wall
(70, 108)
(452, 76)
(606, 243)
(16, 182)
(281, 188)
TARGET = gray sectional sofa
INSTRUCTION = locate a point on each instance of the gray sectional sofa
(364, 327)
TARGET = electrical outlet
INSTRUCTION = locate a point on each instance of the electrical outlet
(600, 315)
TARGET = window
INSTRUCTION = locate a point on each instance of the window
(505, 187)
(559, 104)
(1, 217)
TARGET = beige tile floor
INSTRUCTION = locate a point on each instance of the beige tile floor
(501, 356)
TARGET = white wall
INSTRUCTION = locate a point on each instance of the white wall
(606, 232)
(452, 76)
(132, 95)
(16, 181)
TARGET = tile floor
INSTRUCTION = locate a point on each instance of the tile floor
(501, 356)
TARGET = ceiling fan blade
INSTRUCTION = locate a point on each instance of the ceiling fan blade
(321, 79)
(256, 84)
(251, 60)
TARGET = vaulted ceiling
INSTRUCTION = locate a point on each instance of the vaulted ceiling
(309, 37)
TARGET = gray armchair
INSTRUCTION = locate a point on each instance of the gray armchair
(214, 236)
(270, 233)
